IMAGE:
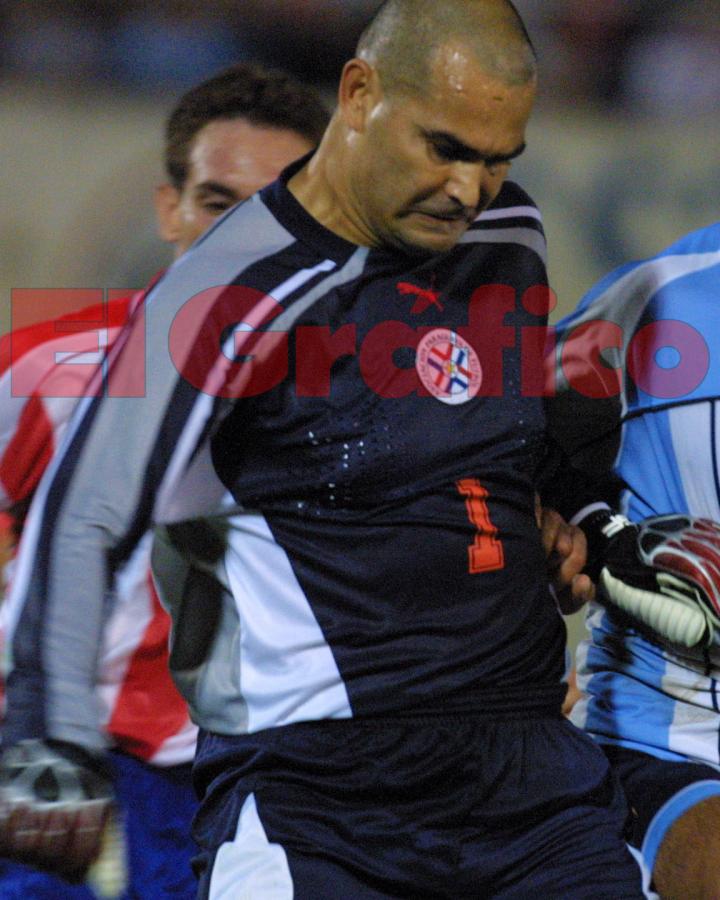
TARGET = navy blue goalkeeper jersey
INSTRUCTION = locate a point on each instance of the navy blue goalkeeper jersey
(338, 449)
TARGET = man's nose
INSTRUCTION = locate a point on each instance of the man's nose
(470, 184)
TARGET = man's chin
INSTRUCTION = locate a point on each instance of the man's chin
(428, 246)
(427, 242)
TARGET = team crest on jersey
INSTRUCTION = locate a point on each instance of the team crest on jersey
(448, 366)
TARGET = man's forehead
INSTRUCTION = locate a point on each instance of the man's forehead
(223, 136)
(476, 123)
(233, 147)
(238, 135)
(452, 66)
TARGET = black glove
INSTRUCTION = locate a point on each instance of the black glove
(55, 800)
(664, 572)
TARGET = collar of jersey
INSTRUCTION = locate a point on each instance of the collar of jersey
(293, 216)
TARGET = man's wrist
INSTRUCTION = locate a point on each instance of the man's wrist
(601, 524)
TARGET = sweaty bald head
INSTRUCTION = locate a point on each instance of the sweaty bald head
(405, 37)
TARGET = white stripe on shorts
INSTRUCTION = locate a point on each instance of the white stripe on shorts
(644, 872)
(250, 867)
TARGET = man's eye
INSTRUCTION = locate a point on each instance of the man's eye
(216, 206)
(443, 152)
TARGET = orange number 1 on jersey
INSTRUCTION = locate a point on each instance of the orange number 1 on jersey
(485, 554)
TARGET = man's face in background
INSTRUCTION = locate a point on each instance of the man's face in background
(229, 160)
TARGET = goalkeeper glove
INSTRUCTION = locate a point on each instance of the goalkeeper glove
(664, 572)
(55, 799)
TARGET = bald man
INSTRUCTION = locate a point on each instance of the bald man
(338, 445)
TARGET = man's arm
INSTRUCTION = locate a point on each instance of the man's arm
(120, 462)
(95, 502)
(125, 452)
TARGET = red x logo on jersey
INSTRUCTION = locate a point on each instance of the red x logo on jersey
(425, 297)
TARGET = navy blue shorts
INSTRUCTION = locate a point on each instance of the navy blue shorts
(431, 807)
(658, 792)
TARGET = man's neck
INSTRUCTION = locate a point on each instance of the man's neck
(320, 189)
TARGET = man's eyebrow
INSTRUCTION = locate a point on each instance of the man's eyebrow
(215, 187)
(456, 149)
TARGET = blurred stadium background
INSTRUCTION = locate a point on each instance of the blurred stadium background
(623, 153)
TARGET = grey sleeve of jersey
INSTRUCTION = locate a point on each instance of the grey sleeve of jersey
(122, 456)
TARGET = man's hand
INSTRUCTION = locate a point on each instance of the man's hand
(55, 800)
(566, 552)
(665, 573)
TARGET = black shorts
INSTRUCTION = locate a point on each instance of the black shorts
(416, 808)
(658, 792)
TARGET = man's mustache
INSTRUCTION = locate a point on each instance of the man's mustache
(451, 212)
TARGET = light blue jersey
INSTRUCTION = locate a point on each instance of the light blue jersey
(650, 420)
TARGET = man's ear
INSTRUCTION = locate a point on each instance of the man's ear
(167, 212)
(359, 93)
